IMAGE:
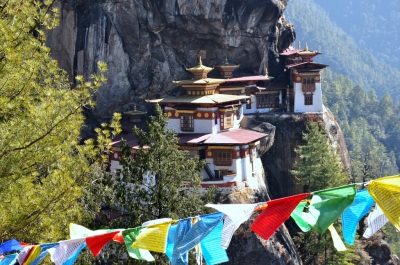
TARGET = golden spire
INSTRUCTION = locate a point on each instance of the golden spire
(306, 47)
(299, 46)
(266, 70)
(226, 60)
(200, 62)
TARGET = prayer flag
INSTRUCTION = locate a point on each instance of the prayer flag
(236, 214)
(376, 220)
(10, 245)
(136, 253)
(153, 237)
(182, 228)
(97, 242)
(78, 231)
(9, 259)
(337, 241)
(44, 252)
(65, 249)
(386, 193)
(327, 205)
(198, 231)
(170, 241)
(297, 216)
(277, 212)
(351, 216)
(211, 248)
(71, 259)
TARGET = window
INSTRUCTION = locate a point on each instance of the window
(267, 101)
(248, 104)
(222, 157)
(228, 120)
(308, 84)
(187, 123)
(308, 99)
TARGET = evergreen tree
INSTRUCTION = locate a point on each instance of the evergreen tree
(44, 171)
(319, 166)
(158, 180)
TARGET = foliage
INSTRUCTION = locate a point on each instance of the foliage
(371, 126)
(319, 166)
(45, 172)
(316, 249)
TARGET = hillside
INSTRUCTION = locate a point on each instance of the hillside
(373, 25)
(340, 51)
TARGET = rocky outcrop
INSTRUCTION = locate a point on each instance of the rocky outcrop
(286, 133)
(148, 44)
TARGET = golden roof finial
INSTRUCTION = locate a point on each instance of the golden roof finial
(226, 60)
(200, 62)
(299, 46)
(134, 108)
(306, 47)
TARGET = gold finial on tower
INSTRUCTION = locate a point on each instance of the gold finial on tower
(299, 46)
(226, 60)
(200, 62)
(306, 47)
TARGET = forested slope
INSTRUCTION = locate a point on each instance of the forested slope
(340, 51)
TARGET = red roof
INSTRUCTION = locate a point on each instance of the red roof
(235, 136)
(248, 78)
(290, 51)
(192, 138)
(309, 65)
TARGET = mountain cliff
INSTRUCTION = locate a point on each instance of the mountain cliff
(148, 44)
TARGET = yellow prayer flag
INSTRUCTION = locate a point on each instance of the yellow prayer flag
(386, 193)
(153, 238)
(337, 241)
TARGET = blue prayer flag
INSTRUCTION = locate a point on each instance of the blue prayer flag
(211, 247)
(10, 245)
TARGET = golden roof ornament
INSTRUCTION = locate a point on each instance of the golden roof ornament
(306, 47)
(200, 71)
(299, 46)
(266, 70)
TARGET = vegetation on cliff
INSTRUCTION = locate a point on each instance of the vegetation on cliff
(44, 170)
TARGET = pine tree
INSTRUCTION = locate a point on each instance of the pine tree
(44, 171)
(157, 181)
(159, 176)
(319, 166)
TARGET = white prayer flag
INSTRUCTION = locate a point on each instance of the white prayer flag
(65, 249)
(376, 220)
(236, 214)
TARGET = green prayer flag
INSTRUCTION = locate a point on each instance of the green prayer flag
(297, 216)
(327, 206)
(129, 236)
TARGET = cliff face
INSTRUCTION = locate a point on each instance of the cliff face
(288, 135)
(147, 44)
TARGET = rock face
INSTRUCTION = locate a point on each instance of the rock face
(148, 44)
(285, 131)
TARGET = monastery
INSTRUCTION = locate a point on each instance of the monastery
(207, 119)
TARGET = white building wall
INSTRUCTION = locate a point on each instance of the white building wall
(299, 99)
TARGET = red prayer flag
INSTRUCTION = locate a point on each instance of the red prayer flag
(97, 242)
(276, 213)
(119, 238)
